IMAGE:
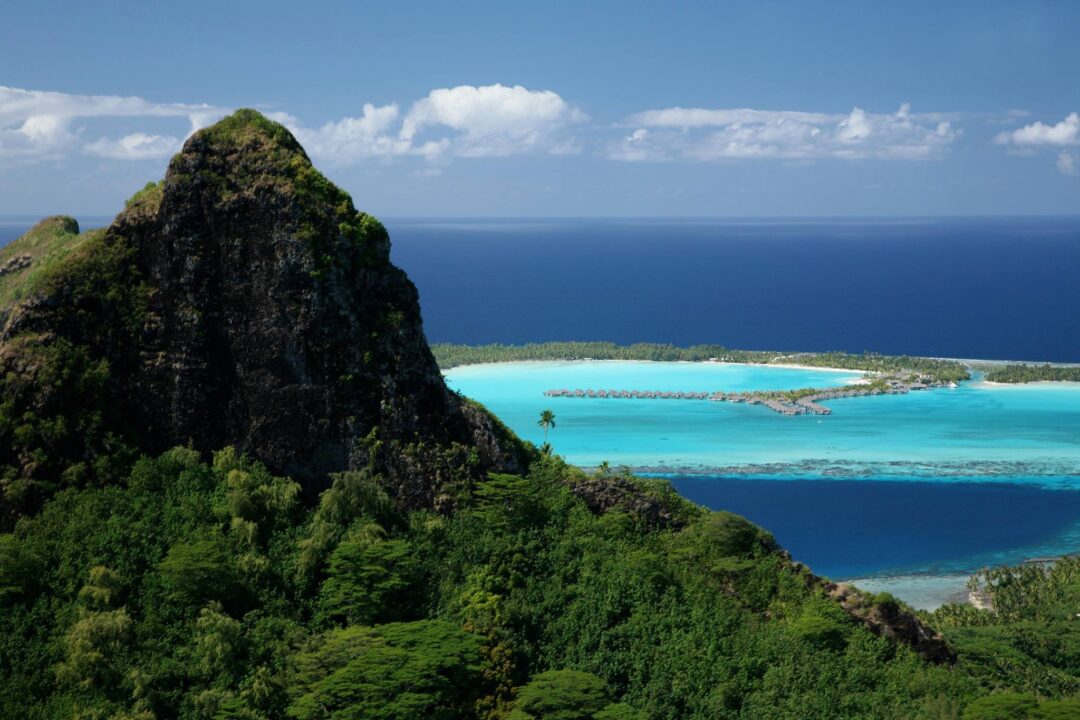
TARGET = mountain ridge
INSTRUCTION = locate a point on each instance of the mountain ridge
(243, 301)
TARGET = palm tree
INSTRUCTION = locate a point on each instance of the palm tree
(546, 421)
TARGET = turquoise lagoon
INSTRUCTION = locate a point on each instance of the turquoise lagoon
(907, 492)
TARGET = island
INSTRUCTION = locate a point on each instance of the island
(935, 370)
(1032, 372)
(234, 485)
(885, 375)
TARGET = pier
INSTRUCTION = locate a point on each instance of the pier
(798, 402)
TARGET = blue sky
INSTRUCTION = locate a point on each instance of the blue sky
(565, 109)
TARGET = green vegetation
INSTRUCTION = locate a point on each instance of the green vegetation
(193, 590)
(276, 156)
(149, 196)
(24, 260)
(58, 427)
(942, 371)
(1032, 638)
(1033, 373)
(547, 422)
(568, 695)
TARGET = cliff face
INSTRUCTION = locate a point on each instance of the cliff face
(243, 301)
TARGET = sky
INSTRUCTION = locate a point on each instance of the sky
(585, 108)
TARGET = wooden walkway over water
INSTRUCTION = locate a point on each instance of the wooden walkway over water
(805, 404)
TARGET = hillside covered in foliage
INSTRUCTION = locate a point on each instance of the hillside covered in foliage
(199, 589)
(236, 487)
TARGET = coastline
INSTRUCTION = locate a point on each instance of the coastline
(572, 361)
(943, 370)
(994, 385)
(785, 365)
(923, 592)
(865, 375)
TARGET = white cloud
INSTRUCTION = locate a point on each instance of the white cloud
(36, 124)
(352, 138)
(136, 146)
(495, 120)
(464, 121)
(703, 135)
(1066, 163)
(678, 117)
(1066, 132)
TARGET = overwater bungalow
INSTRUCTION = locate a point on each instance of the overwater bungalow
(778, 402)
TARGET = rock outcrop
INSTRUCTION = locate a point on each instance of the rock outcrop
(887, 619)
(242, 301)
(15, 264)
(605, 493)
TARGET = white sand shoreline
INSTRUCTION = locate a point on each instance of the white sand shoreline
(991, 385)
(921, 591)
(791, 366)
(863, 375)
(783, 366)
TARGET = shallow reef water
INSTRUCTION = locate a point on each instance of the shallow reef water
(934, 483)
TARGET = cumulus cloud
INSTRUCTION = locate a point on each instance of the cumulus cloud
(1066, 163)
(697, 134)
(371, 134)
(1066, 132)
(1034, 138)
(678, 117)
(36, 124)
(495, 120)
(136, 146)
(463, 121)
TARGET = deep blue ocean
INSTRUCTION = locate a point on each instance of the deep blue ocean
(854, 528)
(1001, 288)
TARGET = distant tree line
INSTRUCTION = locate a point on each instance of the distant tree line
(450, 355)
(1034, 373)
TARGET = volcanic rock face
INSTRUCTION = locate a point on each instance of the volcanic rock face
(244, 301)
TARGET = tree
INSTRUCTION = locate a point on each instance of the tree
(218, 640)
(400, 671)
(507, 501)
(561, 695)
(352, 496)
(198, 571)
(1002, 706)
(619, 711)
(18, 569)
(546, 421)
(370, 579)
(90, 645)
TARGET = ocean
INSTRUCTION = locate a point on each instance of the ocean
(1000, 288)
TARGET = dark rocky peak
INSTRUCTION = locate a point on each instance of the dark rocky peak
(244, 301)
